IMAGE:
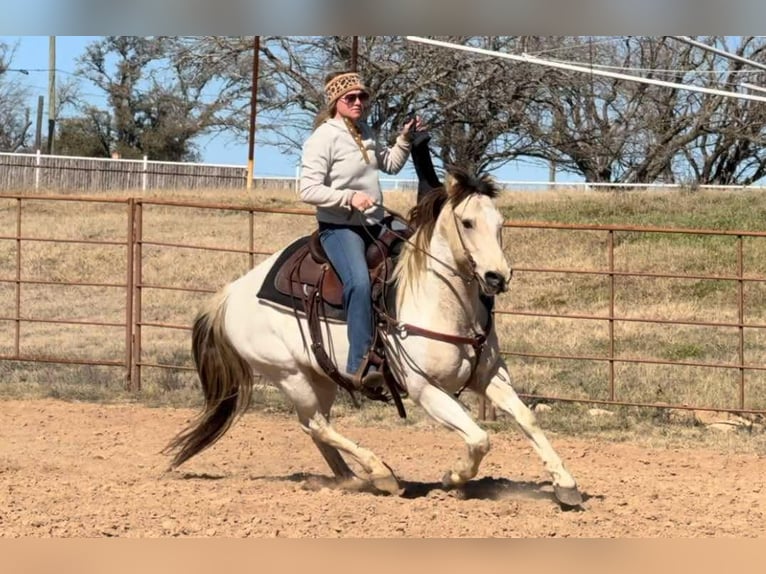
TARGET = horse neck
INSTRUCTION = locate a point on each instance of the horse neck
(441, 294)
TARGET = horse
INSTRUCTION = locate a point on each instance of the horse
(441, 343)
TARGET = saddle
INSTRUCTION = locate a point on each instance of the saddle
(303, 279)
(306, 268)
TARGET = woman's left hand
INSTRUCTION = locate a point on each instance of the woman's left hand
(418, 124)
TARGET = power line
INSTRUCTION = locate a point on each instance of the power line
(720, 52)
(553, 64)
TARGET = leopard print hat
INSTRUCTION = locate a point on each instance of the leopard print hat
(342, 84)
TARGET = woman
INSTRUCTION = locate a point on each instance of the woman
(339, 175)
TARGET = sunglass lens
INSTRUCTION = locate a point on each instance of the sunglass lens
(351, 98)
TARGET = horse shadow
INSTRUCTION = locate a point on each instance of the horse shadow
(485, 488)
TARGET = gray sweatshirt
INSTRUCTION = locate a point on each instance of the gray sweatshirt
(332, 169)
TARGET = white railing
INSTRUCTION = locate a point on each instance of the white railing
(40, 171)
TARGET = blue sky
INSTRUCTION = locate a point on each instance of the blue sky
(32, 55)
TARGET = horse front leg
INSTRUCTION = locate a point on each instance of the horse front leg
(446, 410)
(503, 396)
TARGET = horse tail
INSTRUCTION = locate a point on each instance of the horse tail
(226, 380)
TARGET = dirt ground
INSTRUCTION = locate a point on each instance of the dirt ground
(74, 469)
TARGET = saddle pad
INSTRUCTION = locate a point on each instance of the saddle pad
(270, 292)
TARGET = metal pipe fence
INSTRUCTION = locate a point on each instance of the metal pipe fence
(741, 366)
(140, 237)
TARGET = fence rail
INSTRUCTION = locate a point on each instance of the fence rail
(140, 236)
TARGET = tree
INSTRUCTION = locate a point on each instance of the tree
(482, 111)
(89, 135)
(451, 92)
(15, 116)
(159, 96)
(729, 147)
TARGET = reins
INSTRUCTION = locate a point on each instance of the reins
(467, 278)
(478, 341)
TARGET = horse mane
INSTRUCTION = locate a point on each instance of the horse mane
(423, 218)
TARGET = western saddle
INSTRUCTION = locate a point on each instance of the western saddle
(304, 279)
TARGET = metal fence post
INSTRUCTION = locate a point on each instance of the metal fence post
(17, 326)
(137, 279)
(130, 293)
(610, 256)
(741, 319)
(251, 246)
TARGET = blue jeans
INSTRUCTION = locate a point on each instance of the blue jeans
(345, 247)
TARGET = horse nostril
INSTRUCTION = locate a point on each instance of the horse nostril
(494, 280)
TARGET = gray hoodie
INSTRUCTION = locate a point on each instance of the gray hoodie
(332, 169)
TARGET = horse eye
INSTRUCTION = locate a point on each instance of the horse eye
(467, 223)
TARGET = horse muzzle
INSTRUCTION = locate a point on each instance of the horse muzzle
(495, 283)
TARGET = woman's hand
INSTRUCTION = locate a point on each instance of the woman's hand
(361, 201)
(412, 126)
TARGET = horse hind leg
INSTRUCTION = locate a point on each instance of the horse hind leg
(378, 473)
(325, 397)
(313, 398)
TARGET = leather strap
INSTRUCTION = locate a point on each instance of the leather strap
(312, 303)
(477, 341)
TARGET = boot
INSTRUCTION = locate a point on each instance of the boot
(368, 379)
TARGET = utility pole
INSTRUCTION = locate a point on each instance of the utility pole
(253, 105)
(354, 52)
(39, 126)
(51, 93)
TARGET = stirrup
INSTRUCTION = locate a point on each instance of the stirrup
(372, 384)
(363, 378)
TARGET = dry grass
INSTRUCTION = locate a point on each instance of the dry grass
(542, 292)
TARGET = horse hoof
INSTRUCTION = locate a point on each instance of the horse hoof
(568, 496)
(451, 480)
(388, 484)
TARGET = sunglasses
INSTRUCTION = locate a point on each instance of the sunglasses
(349, 99)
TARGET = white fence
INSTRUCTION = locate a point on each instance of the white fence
(39, 171)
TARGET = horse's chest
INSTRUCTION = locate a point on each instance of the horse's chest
(451, 369)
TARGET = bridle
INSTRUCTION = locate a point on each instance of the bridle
(467, 278)
(479, 339)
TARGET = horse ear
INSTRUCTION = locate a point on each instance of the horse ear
(456, 180)
(451, 184)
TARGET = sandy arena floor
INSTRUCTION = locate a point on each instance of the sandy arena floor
(93, 470)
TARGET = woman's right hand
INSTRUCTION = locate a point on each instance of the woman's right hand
(361, 201)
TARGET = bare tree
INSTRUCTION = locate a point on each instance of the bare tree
(605, 129)
(160, 95)
(622, 131)
(15, 116)
(729, 147)
(471, 105)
